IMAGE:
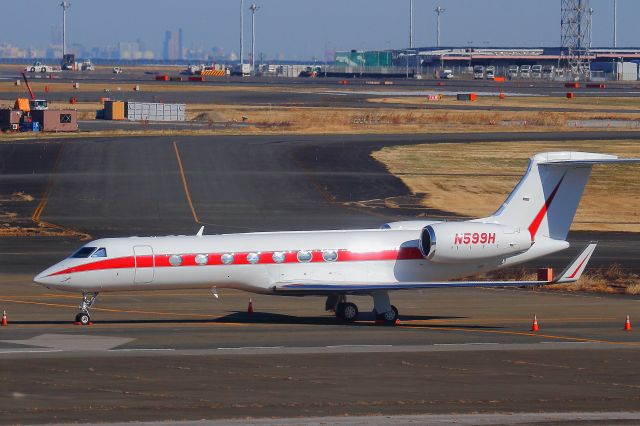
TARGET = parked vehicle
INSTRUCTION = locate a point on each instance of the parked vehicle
(87, 66)
(39, 67)
(525, 71)
(536, 71)
(478, 72)
(68, 62)
(547, 71)
(490, 73)
(117, 70)
(512, 71)
(446, 74)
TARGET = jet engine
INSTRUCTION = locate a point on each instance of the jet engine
(457, 242)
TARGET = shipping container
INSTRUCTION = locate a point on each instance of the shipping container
(114, 110)
(56, 120)
(143, 111)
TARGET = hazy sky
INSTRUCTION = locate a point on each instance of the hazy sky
(304, 28)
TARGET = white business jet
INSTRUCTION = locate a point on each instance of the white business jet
(533, 222)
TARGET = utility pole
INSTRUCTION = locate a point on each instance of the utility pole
(615, 23)
(65, 5)
(410, 24)
(590, 10)
(241, 33)
(253, 9)
(439, 11)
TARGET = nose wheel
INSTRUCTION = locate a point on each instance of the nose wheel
(83, 318)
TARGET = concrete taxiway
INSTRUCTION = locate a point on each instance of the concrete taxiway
(181, 355)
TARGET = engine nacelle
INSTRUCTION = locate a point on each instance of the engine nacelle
(457, 242)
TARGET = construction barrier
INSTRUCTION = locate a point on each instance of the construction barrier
(162, 77)
(174, 78)
(467, 97)
(498, 79)
(597, 86)
(196, 78)
(214, 73)
(434, 97)
(572, 85)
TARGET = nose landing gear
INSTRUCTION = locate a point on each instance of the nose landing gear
(88, 299)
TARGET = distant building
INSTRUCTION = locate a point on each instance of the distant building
(172, 46)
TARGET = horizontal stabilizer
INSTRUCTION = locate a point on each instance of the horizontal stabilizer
(573, 272)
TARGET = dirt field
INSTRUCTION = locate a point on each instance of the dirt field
(475, 182)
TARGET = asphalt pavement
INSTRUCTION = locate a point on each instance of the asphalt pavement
(181, 355)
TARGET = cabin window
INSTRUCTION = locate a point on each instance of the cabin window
(101, 252)
(83, 252)
(278, 257)
(227, 258)
(330, 255)
(175, 260)
(304, 256)
(202, 259)
(253, 258)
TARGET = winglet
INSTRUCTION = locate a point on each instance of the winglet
(577, 267)
(200, 232)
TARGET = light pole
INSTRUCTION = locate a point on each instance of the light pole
(410, 24)
(65, 5)
(439, 11)
(615, 23)
(253, 9)
(241, 32)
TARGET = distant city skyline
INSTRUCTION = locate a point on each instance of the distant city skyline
(289, 29)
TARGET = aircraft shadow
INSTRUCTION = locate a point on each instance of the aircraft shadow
(365, 319)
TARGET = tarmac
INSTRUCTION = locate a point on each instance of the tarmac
(185, 355)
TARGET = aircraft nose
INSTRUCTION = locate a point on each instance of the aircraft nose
(46, 279)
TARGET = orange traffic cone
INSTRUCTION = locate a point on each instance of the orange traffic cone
(6, 323)
(627, 324)
(250, 308)
(534, 326)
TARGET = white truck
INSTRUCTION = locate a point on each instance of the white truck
(87, 66)
(547, 72)
(525, 71)
(40, 67)
(512, 71)
(536, 71)
(478, 72)
(491, 72)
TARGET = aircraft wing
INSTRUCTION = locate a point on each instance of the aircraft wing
(309, 287)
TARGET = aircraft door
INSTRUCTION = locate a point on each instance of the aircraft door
(144, 264)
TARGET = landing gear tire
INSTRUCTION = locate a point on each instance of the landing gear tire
(347, 311)
(83, 318)
(390, 317)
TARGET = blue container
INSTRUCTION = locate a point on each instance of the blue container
(30, 127)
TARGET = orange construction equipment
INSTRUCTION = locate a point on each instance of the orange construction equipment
(6, 323)
(534, 326)
(250, 308)
(627, 324)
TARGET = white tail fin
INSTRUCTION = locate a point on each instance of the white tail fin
(547, 197)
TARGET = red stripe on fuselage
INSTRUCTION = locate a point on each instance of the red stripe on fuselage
(266, 258)
(533, 228)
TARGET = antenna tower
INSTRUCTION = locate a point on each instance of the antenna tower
(575, 37)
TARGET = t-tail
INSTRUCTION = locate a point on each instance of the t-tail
(546, 199)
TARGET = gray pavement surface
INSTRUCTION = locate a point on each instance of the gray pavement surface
(183, 355)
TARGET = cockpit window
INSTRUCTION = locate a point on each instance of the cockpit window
(83, 252)
(101, 252)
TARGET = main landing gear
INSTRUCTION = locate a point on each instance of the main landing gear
(383, 310)
(88, 299)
